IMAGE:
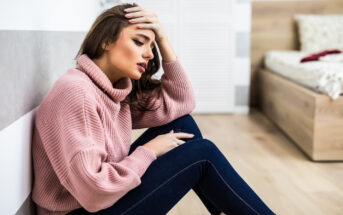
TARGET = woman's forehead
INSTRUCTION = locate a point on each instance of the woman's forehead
(133, 30)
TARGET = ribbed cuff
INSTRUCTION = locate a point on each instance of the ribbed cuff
(174, 70)
(170, 65)
(143, 158)
(149, 152)
(165, 62)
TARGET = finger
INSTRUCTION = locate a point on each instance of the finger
(172, 131)
(180, 142)
(132, 9)
(139, 14)
(183, 135)
(141, 19)
(134, 14)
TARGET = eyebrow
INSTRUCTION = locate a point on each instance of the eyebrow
(146, 38)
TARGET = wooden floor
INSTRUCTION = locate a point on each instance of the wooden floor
(275, 168)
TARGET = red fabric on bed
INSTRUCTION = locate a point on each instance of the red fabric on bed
(316, 56)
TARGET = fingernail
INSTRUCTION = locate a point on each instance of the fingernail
(127, 15)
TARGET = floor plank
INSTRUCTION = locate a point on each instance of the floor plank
(276, 169)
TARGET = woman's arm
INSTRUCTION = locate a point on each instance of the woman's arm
(177, 96)
(70, 130)
(166, 50)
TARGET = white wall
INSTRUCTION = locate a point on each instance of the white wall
(49, 15)
(33, 34)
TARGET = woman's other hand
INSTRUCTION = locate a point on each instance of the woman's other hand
(166, 142)
(146, 19)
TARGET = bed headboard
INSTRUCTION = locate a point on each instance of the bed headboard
(273, 27)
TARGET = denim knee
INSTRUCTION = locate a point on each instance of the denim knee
(204, 147)
(209, 145)
(187, 124)
(186, 117)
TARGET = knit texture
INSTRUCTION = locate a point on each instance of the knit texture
(82, 137)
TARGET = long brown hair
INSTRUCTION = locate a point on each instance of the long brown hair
(106, 29)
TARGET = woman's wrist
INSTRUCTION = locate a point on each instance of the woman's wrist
(166, 50)
(151, 149)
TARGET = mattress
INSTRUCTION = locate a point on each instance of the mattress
(324, 76)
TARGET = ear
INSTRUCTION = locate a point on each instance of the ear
(104, 46)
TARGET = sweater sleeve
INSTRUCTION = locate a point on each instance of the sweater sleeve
(176, 99)
(97, 184)
(73, 138)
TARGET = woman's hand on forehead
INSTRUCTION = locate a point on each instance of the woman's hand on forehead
(145, 19)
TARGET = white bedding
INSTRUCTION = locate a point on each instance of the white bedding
(325, 76)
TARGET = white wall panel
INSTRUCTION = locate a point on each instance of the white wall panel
(15, 163)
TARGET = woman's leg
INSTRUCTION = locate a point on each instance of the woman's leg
(198, 162)
(186, 124)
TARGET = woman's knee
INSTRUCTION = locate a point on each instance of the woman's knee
(203, 146)
(185, 118)
(209, 150)
(187, 124)
(209, 145)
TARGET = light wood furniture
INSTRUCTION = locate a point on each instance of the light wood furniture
(273, 27)
(312, 120)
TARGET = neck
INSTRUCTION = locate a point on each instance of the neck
(103, 64)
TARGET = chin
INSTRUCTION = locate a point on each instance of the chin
(137, 77)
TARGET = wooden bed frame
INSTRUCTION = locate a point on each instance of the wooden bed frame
(312, 120)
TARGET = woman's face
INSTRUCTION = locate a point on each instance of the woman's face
(133, 46)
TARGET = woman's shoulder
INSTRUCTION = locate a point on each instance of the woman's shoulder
(71, 87)
(69, 82)
(73, 78)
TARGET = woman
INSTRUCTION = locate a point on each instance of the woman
(83, 160)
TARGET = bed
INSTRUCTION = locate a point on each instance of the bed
(307, 108)
(324, 76)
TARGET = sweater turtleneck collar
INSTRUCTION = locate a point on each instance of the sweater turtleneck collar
(117, 91)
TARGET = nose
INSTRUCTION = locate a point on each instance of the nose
(148, 54)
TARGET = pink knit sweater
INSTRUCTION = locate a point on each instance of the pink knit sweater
(82, 137)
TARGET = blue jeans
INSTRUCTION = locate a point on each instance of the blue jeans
(197, 164)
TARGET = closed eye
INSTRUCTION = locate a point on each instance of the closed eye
(138, 42)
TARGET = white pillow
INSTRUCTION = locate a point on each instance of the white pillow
(320, 32)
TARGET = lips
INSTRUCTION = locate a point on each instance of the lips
(143, 64)
(141, 68)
